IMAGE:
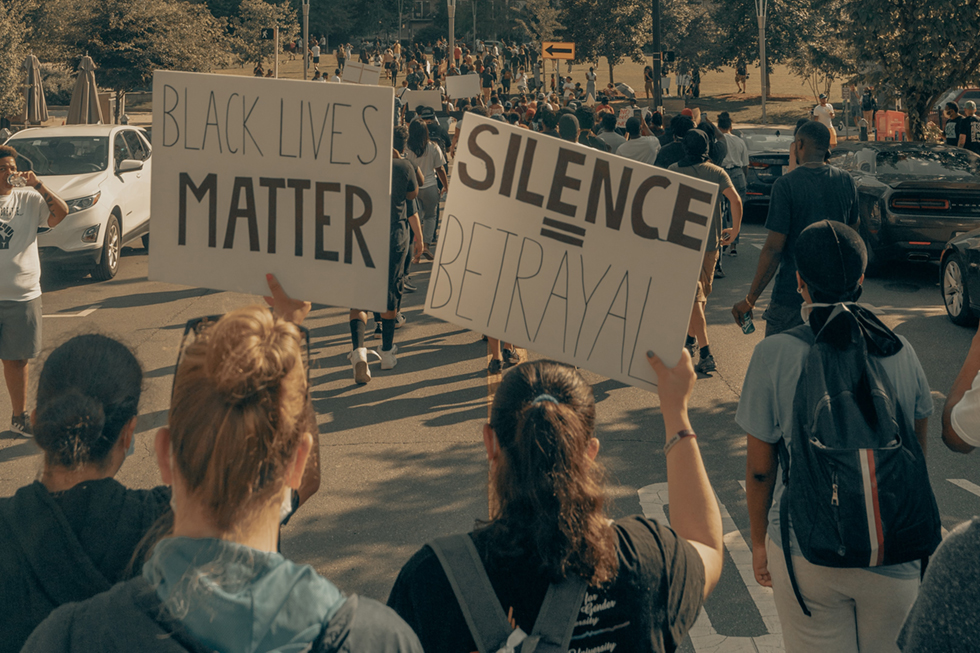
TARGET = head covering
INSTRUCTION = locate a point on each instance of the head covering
(970, 104)
(426, 113)
(568, 127)
(823, 96)
(831, 258)
(695, 148)
(688, 113)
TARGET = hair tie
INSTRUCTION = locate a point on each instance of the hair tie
(544, 397)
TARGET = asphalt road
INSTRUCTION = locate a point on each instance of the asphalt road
(403, 458)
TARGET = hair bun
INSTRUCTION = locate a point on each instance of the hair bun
(249, 352)
(69, 425)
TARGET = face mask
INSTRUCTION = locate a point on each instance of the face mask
(806, 309)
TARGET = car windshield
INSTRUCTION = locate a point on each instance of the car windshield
(767, 142)
(926, 163)
(63, 155)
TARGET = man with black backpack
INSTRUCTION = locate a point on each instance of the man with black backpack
(839, 500)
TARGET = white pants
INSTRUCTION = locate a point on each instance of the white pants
(853, 610)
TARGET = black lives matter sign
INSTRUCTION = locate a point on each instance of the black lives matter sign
(581, 256)
(259, 175)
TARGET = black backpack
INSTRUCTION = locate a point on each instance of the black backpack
(857, 488)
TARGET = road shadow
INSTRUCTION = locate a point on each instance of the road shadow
(55, 277)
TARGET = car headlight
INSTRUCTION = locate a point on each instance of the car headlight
(82, 203)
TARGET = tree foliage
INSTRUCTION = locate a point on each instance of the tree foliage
(541, 19)
(691, 33)
(253, 16)
(615, 29)
(922, 49)
(12, 54)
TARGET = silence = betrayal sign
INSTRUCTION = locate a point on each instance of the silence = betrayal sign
(261, 175)
(582, 256)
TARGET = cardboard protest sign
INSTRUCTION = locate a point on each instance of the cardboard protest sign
(416, 99)
(624, 114)
(463, 86)
(260, 175)
(356, 72)
(581, 256)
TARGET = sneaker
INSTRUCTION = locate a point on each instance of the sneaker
(705, 365)
(734, 252)
(693, 349)
(359, 362)
(400, 320)
(388, 358)
(408, 287)
(495, 366)
(21, 424)
(377, 332)
(511, 357)
(719, 273)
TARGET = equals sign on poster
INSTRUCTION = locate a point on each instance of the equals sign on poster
(572, 234)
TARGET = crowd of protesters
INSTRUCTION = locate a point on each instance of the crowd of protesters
(194, 564)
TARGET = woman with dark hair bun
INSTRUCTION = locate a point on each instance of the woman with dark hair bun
(72, 533)
(641, 584)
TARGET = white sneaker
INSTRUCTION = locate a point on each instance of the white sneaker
(359, 362)
(400, 320)
(388, 358)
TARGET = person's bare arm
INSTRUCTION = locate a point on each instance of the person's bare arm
(769, 259)
(419, 178)
(441, 173)
(962, 141)
(694, 512)
(761, 464)
(963, 382)
(57, 206)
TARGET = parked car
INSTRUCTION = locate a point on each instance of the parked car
(959, 278)
(768, 157)
(103, 173)
(914, 197)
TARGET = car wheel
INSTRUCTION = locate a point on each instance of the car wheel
(956, 295)
(146, 242)
(111, 248)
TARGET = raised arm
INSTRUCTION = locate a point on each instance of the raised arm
(961, 386)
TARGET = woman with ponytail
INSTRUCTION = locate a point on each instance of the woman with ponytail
(240, 433)
(645, 581)
(71, 534)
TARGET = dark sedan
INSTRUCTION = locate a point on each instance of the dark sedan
(960, 278)
(914, 197)
(768, 157)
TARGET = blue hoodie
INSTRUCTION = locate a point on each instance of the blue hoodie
(259, 603)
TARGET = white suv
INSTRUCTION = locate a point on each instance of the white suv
(103, 173)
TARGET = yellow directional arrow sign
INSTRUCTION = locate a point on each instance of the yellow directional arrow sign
(550, 50)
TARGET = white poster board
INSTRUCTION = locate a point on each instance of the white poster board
(262, 175)
(463, 86)
(624, 114)
(575, 254)
(356, 72)
(416, 99)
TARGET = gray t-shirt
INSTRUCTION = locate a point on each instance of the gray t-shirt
(799, 199)
(944, 616)
(715, 174)
(765, 410)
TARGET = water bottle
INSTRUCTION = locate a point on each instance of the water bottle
(16, 181)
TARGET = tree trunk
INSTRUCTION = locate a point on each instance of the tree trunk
(612, 80)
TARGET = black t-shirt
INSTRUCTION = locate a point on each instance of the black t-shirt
(669, 154)
(969, 126)
(799, 199)
(403, 182)
(649, 607)
(488, 78)
(952, 130)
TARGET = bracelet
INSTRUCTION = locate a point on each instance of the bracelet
(750, 302)
(677, 438)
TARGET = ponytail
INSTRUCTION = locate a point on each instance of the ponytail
(549, 491)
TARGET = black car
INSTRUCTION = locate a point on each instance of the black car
(768, 157)
(960, 278)
(914, 197)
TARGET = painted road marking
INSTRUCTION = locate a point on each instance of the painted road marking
(966, 485)
(653, 500)
(85, 313)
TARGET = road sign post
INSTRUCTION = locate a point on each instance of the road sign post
(553, 50)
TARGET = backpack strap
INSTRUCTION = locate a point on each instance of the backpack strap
(556, 620)
(784, 534)
(802, 332)
(484, 616)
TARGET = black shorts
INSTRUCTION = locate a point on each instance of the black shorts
(397, 254)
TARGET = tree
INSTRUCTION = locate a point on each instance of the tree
(12, 55)
(253, 15)
(541, 19)
(691, 32)
(827, 56)
(620, 34)
(920, 48)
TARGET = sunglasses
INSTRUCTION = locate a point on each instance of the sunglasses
(199, 325)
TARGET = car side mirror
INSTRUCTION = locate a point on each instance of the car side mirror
(129, 165)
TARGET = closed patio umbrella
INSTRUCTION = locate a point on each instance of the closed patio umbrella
(85, 109)
(36, 110)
